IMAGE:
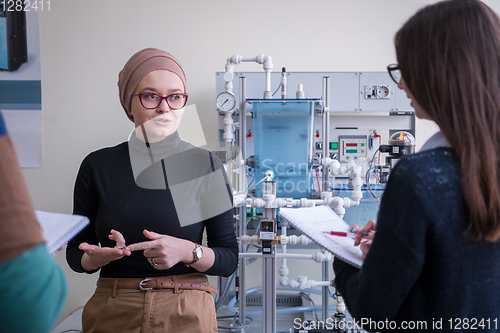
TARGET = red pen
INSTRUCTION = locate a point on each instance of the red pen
(347, 234)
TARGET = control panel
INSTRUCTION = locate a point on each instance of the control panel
(352, 147)
(332, 146)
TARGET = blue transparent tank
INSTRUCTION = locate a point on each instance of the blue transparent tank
(283, 143)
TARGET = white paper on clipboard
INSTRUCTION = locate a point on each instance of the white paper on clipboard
(312, 221)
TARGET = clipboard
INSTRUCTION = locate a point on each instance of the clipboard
(312, 221)
(60, 228)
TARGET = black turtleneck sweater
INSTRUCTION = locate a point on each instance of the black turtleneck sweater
(127, 188)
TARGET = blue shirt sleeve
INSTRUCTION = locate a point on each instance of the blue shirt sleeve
(3, 130)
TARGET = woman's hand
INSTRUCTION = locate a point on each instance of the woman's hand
(164, 251)
(96, 256)
(365, 241)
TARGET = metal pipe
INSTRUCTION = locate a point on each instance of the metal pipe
(326, 131)
(324, 295)
(242, 266)
(283, 269)
(269, 265)
(242, 136)
(326, 153)
(242, 209)
(278, 255)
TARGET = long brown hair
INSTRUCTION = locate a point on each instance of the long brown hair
(449, 56)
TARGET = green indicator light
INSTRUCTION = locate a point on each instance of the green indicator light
(334, 145)
(362, 145)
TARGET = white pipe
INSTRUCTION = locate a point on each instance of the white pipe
(337, 203)
(286, 255)
(229, 138)
(283, 271)
(239, 198)
(292, 240)
(294, 256)
(303, 283)
(354, 170)
(303, 240)
(278, 255)
(357, 182)
(338, 206)
(247, 239)
(262, 59)
(333, 167)
(340, 304)
(228, 76)
(228, 127)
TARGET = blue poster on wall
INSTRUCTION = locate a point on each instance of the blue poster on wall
(20, 80)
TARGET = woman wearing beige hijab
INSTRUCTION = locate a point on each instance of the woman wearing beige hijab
(149, 201)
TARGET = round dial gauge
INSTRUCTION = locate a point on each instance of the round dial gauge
(225, 101)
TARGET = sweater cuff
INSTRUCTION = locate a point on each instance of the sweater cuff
(342, 270)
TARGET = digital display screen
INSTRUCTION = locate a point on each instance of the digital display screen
(334, 145)
(267, 226)
(266, 230)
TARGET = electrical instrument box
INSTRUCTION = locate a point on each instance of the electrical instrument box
(352, 147)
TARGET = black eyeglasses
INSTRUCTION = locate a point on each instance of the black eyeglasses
(394, 72)
(150, 100)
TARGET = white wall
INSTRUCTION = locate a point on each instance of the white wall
(84, 44)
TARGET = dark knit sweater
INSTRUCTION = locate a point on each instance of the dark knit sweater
(421, 266)
(106, 192)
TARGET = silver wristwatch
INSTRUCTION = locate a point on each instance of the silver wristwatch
(197, 254)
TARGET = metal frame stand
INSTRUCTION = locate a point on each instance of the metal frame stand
(325, 269)
(269, 292)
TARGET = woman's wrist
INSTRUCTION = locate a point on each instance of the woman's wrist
(190, 246)
(85, 263)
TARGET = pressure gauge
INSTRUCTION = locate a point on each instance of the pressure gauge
(225, 101)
